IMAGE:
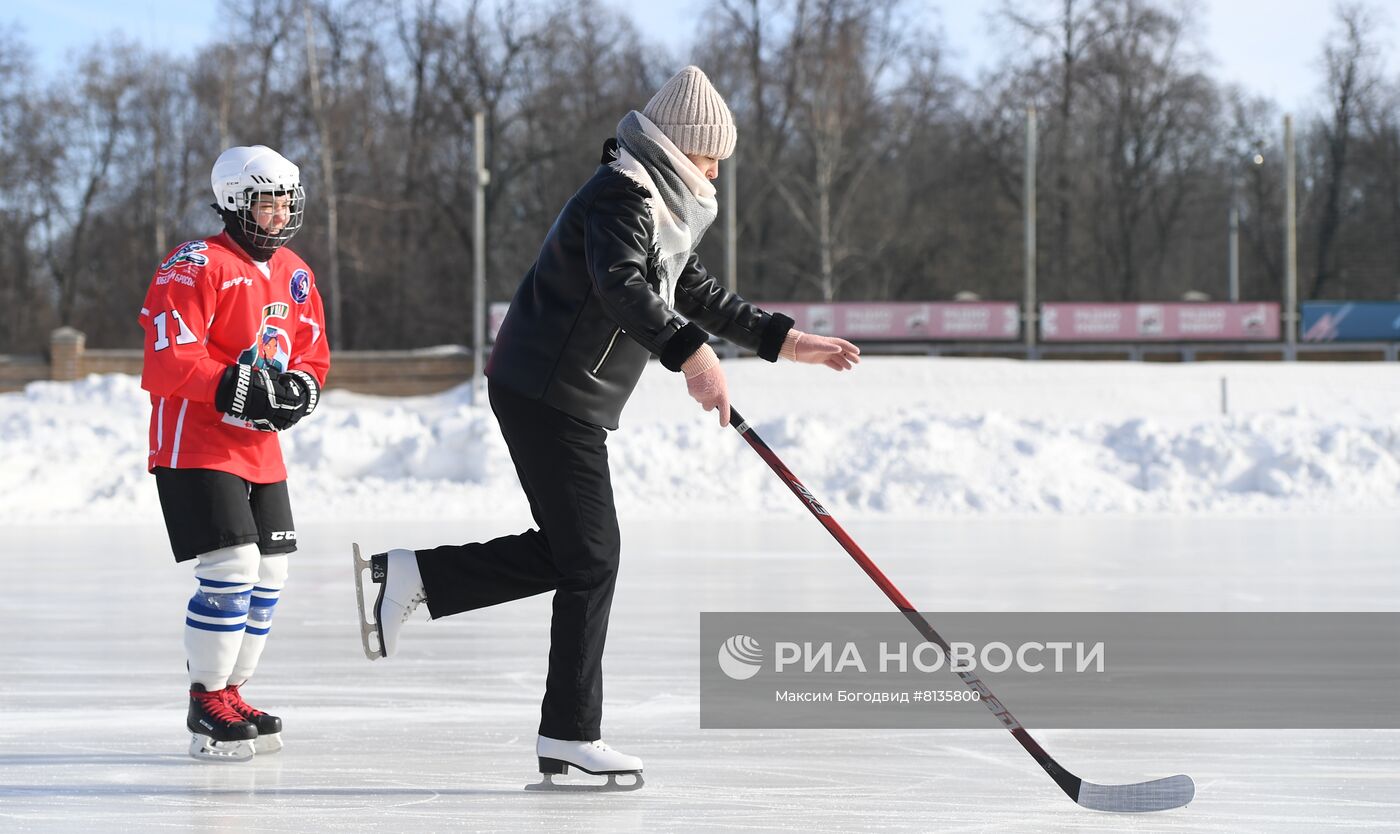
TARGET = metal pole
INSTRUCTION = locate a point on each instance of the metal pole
(1029, 315)
(1290, 254)
(335, 325)
(731, 224)
(483, 177)
(731, 237)
(1234, 245)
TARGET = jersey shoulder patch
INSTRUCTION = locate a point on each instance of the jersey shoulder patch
(184, 264)
(190, 252)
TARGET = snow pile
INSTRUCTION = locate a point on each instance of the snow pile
(899, 437)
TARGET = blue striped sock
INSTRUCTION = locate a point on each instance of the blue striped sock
(217, 611)
(214, 626)
(263, 602)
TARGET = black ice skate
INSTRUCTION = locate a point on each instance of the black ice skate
(218, 732)
(593, 757)
(400, 594)
(269, 738)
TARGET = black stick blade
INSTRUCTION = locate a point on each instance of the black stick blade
(1157, 795)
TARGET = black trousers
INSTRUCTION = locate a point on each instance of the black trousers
(562, 463)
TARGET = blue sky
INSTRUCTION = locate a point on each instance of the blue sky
(1271, 47)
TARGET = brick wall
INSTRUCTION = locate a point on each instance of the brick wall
(400, 372)
(18, 371)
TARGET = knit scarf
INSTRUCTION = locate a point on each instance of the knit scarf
(682, 201)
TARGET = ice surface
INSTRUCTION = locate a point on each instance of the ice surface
(441, 738)
(975, 485)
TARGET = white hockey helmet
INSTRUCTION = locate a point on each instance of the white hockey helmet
(242, 172)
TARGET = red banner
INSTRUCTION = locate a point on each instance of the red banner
(906, 321)
(1186, 321)
(886, 321)
(999, 321)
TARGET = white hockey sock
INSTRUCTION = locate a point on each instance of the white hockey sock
(272, 576)
(217, 614)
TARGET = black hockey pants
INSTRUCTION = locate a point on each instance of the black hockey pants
(562, 463)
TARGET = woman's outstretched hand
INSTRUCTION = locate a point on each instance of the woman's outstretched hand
(837, 354)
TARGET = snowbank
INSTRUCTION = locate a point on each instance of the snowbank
(899, 437)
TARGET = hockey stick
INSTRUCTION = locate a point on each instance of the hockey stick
(1156, 795)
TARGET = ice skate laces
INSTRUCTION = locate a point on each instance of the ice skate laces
(218, 707)
(418, 598)
(240, 706)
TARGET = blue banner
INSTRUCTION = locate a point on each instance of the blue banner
(1351, 321)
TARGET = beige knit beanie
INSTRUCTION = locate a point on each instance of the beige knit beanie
(690, 111)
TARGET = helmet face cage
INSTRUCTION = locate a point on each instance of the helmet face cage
(256, 234)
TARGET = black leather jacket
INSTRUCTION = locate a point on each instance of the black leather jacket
(588, 314)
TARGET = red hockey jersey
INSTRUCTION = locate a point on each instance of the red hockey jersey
(210, 306)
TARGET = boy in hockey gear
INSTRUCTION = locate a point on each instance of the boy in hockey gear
(235, 352)
(617, 281)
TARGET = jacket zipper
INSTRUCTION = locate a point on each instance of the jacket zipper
(606, 351)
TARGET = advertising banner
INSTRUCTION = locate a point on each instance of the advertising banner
(1351, 321)
(1160, 322)
(911, 321)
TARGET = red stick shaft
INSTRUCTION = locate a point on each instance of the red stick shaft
(1066, 780)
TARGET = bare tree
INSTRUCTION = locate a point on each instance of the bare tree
(1153, 131)
(1383, 137)
(92, 118)
(1349, 58)
(326, 153)
(761, 88)
(1252, 164)
(1060, 42)
(25, 163)
(838, 120)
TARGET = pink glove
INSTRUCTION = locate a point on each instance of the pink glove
(705, 380)
(837, 354)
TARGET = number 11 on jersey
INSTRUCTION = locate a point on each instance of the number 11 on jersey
(162, 340)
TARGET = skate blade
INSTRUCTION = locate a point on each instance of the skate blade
(265, 744)
(206, 749)
(547, 783)
(370, 638)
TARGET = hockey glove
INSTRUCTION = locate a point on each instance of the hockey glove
(270, 404)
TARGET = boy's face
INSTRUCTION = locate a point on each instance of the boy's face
(271, 211)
